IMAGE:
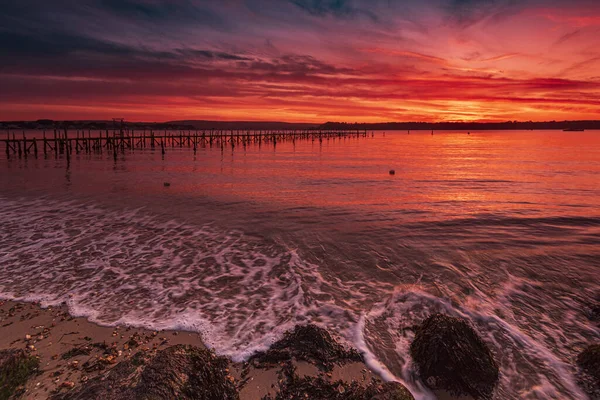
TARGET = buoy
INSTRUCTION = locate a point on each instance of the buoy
(392, 172)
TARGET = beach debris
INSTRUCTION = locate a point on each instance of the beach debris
(450, 355)
(77, 351)
(68, 384)
(16, 367)
(306, 343)
(27, 337)
(291, 386)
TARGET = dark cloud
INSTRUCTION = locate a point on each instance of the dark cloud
(76, 53)
(568, 36)
(55, 44)
(337, 8)
(294, 64)
(470, 12)
(212, 55)
(161, 11)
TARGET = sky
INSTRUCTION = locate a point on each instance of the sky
(300, 60)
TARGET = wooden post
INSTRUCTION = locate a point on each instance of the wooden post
(25, 149)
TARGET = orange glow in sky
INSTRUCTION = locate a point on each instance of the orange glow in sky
(301, 60)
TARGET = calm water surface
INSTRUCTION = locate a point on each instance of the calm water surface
(502, 228)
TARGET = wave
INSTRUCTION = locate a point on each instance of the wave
(129, 267)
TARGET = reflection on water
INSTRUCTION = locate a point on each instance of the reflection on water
(502, 228)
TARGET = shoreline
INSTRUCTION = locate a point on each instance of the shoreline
(73, 351)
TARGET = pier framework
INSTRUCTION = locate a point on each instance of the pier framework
(64, 142)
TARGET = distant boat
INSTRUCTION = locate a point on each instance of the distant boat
(573, 130)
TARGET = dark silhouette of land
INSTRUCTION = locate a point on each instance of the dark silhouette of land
(275, 125)
(183, 125)
(466, 126)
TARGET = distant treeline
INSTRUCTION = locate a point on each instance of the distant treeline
(465, 126)
(245, 125)
(274, 125)
(89, 125)
(177, 125)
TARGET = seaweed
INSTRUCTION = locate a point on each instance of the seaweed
(16, 367)
(76, 351)
(589, 361)
(318, 388)
(451, 355)
(307, 343)
(178, 372)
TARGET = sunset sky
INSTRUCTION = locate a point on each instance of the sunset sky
(300, 60)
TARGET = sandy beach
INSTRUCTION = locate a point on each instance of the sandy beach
(73, 351)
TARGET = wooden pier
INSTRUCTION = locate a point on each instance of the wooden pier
(65, 143)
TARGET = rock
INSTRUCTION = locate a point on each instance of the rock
(594, 313)
(450, 355)
(68, 384)
(589, 361)
(392, 172)
(307, 343)
(393, 391)
(16, 367)
(178, 372)
(316, 388)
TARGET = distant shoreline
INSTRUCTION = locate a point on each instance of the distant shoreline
(275, 125)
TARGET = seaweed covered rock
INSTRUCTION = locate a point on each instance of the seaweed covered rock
(186, 372)
(178, 372)
(450, 355)
(391, 391)
(16, 367)
(589, 361)
(293, 387)
(594, 313)
(307, 343)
